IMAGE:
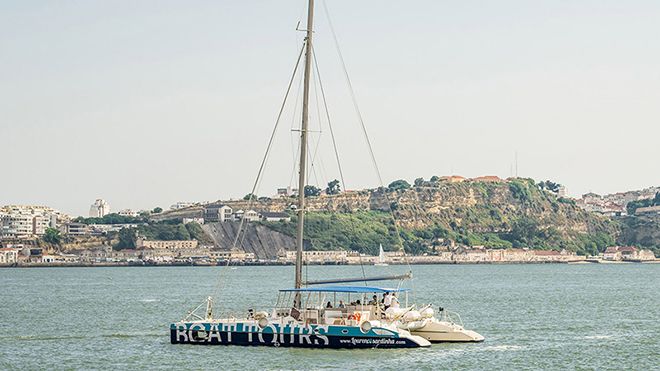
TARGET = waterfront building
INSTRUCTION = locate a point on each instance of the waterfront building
(99, 208)
(327, 256)
(232, 255)
(167, 245)
(612, 253)
(8, 255)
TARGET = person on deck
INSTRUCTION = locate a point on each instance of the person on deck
(329, 305)
(341, 304)
(387, 300)
(374, 301)
(395, 301)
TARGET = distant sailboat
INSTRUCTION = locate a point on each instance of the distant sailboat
(381, 258)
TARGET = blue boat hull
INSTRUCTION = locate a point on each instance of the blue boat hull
(308, 336)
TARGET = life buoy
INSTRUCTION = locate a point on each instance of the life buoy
(355, 316)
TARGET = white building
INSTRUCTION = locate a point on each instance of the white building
(193, 220)
(249, 216)
(275, 217)
(8, 255)
(99, 208)
(218, 213)
(20, 225)
(181, 205)
(129, 212)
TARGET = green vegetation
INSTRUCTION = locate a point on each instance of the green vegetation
(53, 236)
(157, 210)
(249, 196)
(127, 238)
(550, 186)
(112, 219)
(312, 191)
(399, 185)
(514, 214)
(634, 205)
(361, 231)
(333, 188)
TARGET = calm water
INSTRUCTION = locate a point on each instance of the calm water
(533, 317)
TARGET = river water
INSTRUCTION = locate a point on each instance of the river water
(533, 317)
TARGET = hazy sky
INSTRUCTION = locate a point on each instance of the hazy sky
(145, 103)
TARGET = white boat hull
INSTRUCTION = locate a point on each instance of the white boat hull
(436, 331)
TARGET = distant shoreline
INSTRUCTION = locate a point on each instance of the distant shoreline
(247, 264)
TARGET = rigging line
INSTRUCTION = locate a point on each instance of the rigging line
(334, 145)
(364, 131)
(294, 147)
(265, 158)
(327, 114)
(270, 141)
(313, 157)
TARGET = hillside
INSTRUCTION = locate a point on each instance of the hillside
(496, 214)
(642, 231)
(513, 213)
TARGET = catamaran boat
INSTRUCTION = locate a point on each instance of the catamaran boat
(322, 313)
(381, 258)
(310, 317)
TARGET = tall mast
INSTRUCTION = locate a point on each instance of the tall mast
(303, 148)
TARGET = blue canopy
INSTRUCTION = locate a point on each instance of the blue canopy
(348, 289)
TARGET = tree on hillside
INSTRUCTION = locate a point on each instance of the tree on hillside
(398, 185)
(127, 238)
(549, 186)
(157, 210)
(419, 182)
(250, 196)
(52, 235)
(333, 188)
(182, 233)
(435, 179)
(523, 232)
(312, 191)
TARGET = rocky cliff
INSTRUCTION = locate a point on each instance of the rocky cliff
(515, 213)
(257, 239)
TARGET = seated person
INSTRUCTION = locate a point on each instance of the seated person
(341, 304)
(357, 302)
(329, 305)
(373, 301)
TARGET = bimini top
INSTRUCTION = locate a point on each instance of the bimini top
(348, 289)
